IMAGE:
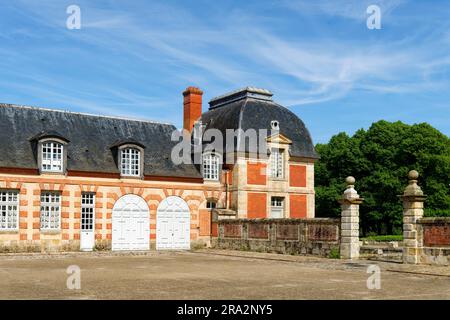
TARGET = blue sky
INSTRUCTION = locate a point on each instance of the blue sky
(134, 58)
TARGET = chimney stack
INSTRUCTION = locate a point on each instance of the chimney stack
(192, 104)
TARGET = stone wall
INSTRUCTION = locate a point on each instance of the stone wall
(434, 235)
(290, 236)
(425, 240)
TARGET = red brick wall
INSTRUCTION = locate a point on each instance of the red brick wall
(258, 231)
(205, 222)
(256, 205)
(256, 173)
(232, 230)
(287, 232)
(436, 235)
(297, 205)
(323, 233)
(297, 176)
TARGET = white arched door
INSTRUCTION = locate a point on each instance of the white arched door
(173, 225)
(130, 224)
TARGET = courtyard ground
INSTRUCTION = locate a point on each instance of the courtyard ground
(213, 274)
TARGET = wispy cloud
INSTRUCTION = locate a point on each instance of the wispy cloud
(165, 44)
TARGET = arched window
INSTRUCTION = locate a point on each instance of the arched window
(211, 166)
(52, 156)
(130, 162)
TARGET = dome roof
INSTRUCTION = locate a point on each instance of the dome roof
(252, 108)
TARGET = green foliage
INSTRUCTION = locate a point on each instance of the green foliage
(334, 253)
(386, 238)
(380, 159)
(436, 213)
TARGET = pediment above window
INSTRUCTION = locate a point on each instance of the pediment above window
(279, 138)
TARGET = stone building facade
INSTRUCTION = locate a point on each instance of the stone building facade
(71, 181)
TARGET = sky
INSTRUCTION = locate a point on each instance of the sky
(134, 58)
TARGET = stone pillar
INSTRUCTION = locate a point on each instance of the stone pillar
(350, 221)
(413, 199)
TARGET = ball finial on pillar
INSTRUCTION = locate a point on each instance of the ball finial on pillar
(350, 180)
(349, 247)
(413, 189)
(413, 175)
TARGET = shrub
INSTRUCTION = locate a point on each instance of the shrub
(334, 253)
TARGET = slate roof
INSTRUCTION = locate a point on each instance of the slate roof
(253, 108)
(90, 140)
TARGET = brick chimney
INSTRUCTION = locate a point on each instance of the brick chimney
(192, 104)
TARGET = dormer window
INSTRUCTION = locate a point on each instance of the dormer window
(52, 156)
(129, 155)
(277, 163)
(211, 166)
(50, 149)
(130, 162)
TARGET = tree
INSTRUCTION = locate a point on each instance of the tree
(380, 159)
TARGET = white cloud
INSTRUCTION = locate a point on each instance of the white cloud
(240, 49)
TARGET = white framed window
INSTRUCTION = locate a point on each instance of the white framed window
(211, 166)
(9, 210)
(276, 207)
(277, 163)
(52, 156)
(130, 162)
(50, 210)
(87, 211)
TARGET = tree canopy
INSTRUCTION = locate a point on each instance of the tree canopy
(380, 158)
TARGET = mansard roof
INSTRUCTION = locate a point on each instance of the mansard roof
(253, 108)
(90, 139)
(50, 134)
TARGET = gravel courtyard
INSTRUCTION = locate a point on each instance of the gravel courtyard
(213, 274)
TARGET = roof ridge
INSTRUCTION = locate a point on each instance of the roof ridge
(82, 113)
(242, 93)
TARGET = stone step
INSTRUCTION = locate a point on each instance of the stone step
(379, 250)
(381, 253)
